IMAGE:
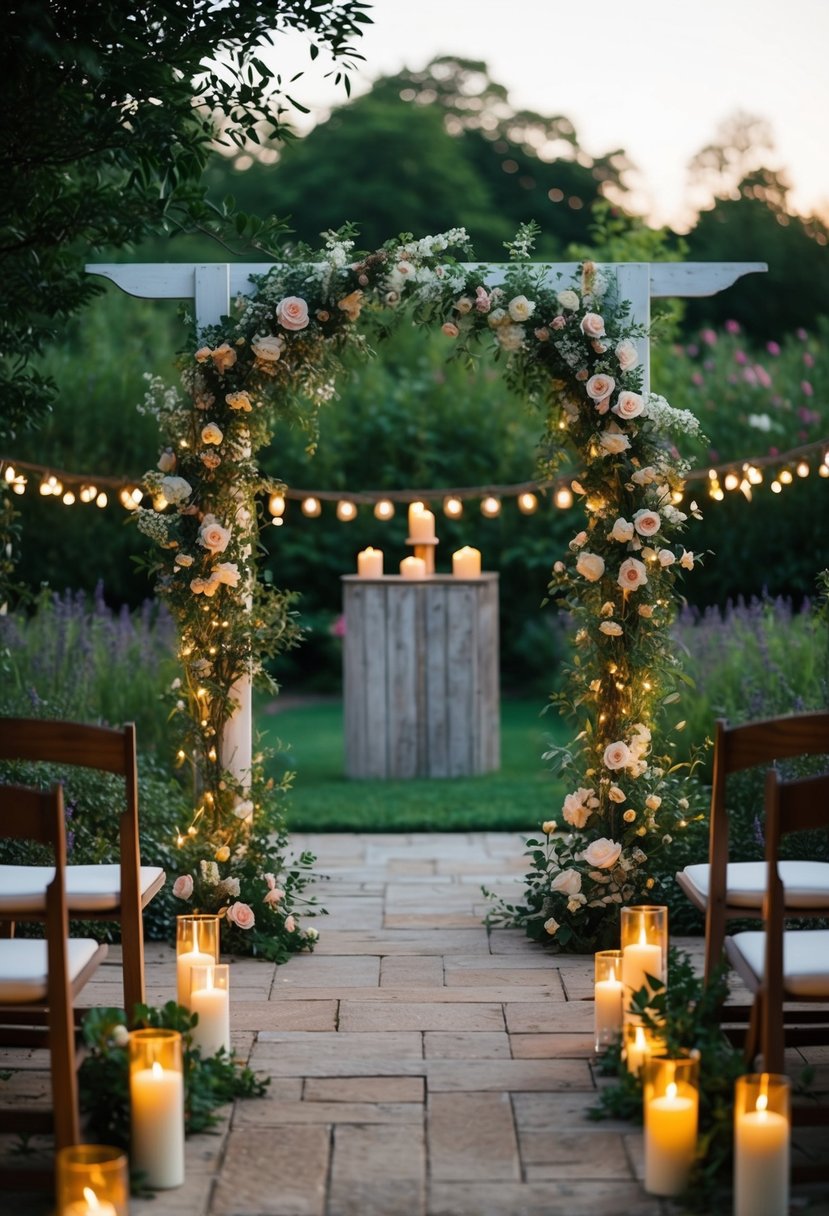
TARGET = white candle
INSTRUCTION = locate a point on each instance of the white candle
(637, 1052)
(191, 958)
(670, 1142)
(157, 1123)
(761, 1162)
(90, 1205)
(213, 1007)
(607, 1014)
(639, 960)
(421, 523)
(466, 563)
(413, 567)
(370, 563)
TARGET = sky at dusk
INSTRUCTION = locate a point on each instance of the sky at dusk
(655, 77)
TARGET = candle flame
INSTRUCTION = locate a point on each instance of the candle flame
(209, 971)
(670, 1090)
(613, 973)
(640, 1041)
(762, 1102)
(643, 937)
(91, 1199)
(157, 1070)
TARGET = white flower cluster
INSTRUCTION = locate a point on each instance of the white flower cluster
(428, 246)
(672, 421)
(153, 525)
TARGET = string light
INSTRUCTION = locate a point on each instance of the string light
(490, 506)
(68, 498)
(312, 507)
(101, 500)
(563, 498)
(776, 487)
(384, 509)
(276, 505)
(346, 510)
(732, 481)
(453, 507)
(802, 469)
(10, 473)
(527, 503)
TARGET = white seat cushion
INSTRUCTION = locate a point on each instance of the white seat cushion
(805, 959)
(806, 883)
(24, 967)
(88, 888)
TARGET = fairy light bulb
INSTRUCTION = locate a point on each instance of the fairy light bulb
(563, 498)
(776, 487)
(755, 476)
(384, 509)
(785, 477)
(19, 484)
(732, 481)
(346, 511)
(68, 498)
(677, 497)
(311, 507)
(453, 507)
(527, 503)
(87, 493)
(823, 471)
(802, 469)
(45, 489)
(490, 506)
(276, 504)
(102, 500)
(10, 473)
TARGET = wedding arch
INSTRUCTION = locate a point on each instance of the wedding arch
(573, 337)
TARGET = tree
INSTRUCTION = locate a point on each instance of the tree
(111, 112)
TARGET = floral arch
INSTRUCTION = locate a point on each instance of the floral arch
(573, 339)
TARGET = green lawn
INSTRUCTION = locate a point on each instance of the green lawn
(518, 797)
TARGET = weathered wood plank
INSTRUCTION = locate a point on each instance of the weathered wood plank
(402, 661)
(437, 707)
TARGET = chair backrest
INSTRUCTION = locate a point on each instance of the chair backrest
(106, 748)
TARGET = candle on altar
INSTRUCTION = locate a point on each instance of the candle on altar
(370, 563)
(91, 1180)
(466, 563)
(761, 1145)
(421, 523)
(413, 567)
(671, 1116)
(197, 944)
(157, 1107)
(607, 993)
(90, 1205)
(210, 999)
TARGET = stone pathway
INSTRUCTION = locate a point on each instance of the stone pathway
(419, 1066)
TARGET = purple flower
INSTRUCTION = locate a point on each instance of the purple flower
(806, 388)
(732, 327)
(773, 348)
(709, 337)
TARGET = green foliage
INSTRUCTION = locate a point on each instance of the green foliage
(103, 1078)
(685, 1014)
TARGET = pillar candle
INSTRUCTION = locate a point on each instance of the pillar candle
(639, 960)
(608, 1010)
(157, 1121)
(670, 1141)
(413, 567)
(211, 1001)
(370, 563)
(89, 1206)
(421, 523)
(466, 563)
(761, 1162)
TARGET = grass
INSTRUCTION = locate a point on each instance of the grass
(518, 797)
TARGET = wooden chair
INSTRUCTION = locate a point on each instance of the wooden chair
(40, 978)
(724, 889)
(117, 892)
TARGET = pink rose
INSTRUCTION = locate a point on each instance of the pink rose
(592, 325)
(647, 523)
(183, 887)
(627, 355)
(632, 574)
(602, 853)
(482, 300)
(600, 386)
(617, 755)
(241, 915)
(290, 924)
(590, 566)
(558, 322)
(213, 536)
(450, 329)
(292, 313)
(629, 405)
(274, 896)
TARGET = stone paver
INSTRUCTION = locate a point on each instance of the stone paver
(418, 1065)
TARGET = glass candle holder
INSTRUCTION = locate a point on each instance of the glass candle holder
(157, 1107)
(762, 1134)
(198, 940)
(671, 1105)
(638, 1045)
(644, 939)
(210, 999)
(607, 995)
(92, 1180)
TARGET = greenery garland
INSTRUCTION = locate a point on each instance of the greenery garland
(569, 348)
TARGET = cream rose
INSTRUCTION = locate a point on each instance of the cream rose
(575, 812)
(614, 442)
(653, 802)
(464, 305)
(629, 816)
(602, 853)
(183, 887)
(222, 853)
(622, 531)
(592, 325)
(590, 566)
(551, 926)
(290, 924)
(213, 536)
(450, 329)
(230, 887)
(497, 317)
(351, 304)
(632, 574)
(616, 795)
(578, 541)
(568, 882)
(644, 477)
(292, 313)
(645, 610)
(510, 337)
(599, 386)
(627, 354)
(687, 560)
(243, 809)
(183, 559)
(520, 308)
(666, 557)
(239, 401)
(611, 628)
(211, 433)
(617, 755)
(223, 357)
(569, 300)
(226, 573)
(647, 522)
(629, 405)
(268, 349)
(549, 826)
(241, 915)
(175, 489)
(167, 460)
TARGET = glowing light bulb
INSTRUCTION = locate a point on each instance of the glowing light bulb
(10, 473)
(785, 477)
(276, 504)
(527, 503)
(311, 507)
(346, 510)
(755, 476)
(802, 469)
(731, 481)
(490, 506)
(101, 500)
(563, 498)
(776, 487)
(68, 498)
(384, 509)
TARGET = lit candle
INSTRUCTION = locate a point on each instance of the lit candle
(761, 1159)
(186, 960)
(370, 563)
(421, 523)
(157, 1105)
(637, 1050)
(466, 563)
(413, 567)
(90, 1205)
(638, 960)
(210, 999)
(670, 1135)
(608, 1008)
